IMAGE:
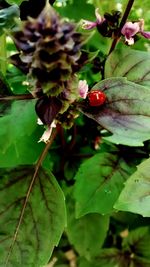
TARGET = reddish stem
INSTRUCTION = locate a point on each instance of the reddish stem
(123, 20)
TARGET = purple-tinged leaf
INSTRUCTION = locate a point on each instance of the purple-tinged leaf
(133, 64)
(126, 112)
(139, 240)
(112, 257)
(43, 221)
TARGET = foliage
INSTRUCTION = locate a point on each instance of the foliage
(82, 198)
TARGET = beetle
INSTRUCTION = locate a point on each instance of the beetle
(96, 98)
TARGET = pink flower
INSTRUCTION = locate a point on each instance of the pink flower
(88, 25)
(83, 88)
(130, 29)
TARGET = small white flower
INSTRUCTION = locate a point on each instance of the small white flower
(47, 133)
(39, 122)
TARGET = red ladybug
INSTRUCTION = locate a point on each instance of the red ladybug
(96, 98)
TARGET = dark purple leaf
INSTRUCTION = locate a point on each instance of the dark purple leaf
(47, 108)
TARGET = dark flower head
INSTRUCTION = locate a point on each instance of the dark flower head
(50, 54)
(106, 25)
(50, 48)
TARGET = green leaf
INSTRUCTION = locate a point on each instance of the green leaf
(99, 182)
(126, 112)
(75, 10)
(19, 123)
(7, 17)
(85, 263)
(23, 151)
(91, 229)
(135, 196)
(43, 220)
(19, 135)
(133, 64)
(4, 91)
(138, 241)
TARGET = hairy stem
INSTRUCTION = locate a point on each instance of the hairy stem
(123, 20)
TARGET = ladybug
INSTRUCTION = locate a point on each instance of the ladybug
(96, 98)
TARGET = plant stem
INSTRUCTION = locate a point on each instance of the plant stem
(3, 54)
(123, 20)
(39, 162)
(17, 97)
(126, 13)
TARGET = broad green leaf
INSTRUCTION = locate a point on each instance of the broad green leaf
(16, 81)
(75, 10)
(138, 241)
(87, 234)
(7, 17)
(4, 91)
(85, 263)
(23, 151)
(126, 113)
(19, 134)
(43, 220)
(135, 196)
(133, 64)
(99, 182)
(19, 123)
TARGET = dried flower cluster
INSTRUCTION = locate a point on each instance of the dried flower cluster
(50, 55)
